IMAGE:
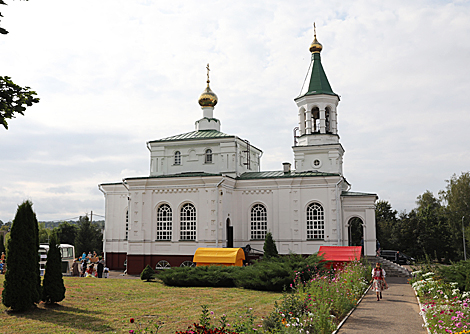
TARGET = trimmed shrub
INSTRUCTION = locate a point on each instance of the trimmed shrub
(53, 289)
(204, 276)
(275, 274)
(22, 285)
(147, 274)
(269, 248)
(2, 244)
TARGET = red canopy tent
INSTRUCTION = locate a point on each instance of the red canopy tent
(340, 254)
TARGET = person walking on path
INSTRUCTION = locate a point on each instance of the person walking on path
(378, 277)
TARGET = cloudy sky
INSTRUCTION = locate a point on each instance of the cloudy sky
(114, 74)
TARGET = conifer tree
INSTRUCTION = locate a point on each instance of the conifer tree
(147, 274)
(22, 281)
(53, 289)
(269, 248)
(2, 244)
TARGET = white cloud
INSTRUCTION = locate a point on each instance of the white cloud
(112, 75)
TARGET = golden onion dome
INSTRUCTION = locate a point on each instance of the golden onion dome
(315, 47)
(208, 97)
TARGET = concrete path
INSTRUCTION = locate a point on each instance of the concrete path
(397, 312)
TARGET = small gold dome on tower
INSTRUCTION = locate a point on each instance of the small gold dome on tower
(208, 97)
(315, 47)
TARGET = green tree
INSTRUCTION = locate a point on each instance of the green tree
(269, 248)
(2, 244)
(89, 237)
(53, 289)
(14, 99)
(386, 222)
(67, 233)
(2, 30)
(147, 274)
(457, 197)
(22, 281)
(44, 234)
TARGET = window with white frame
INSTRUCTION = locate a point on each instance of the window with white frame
(177, 158)
(208, 156)
(259, 222)
(164, 222)
(188, 222)
(315, 222)
(127, 224)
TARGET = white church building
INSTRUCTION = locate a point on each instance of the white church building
(206, 189)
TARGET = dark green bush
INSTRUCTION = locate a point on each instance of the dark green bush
(204, 276)
(457, 272)
(275, 274)
(147, 274)
(22, 285)
(53, 289)
(269, 247)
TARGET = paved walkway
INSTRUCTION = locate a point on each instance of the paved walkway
(397, 312)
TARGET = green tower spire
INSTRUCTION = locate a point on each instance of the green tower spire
(316, 81)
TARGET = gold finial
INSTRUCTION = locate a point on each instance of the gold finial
(208, 97)
(208, 69)
(315, 47)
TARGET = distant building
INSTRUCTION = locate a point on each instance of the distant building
(206, 189)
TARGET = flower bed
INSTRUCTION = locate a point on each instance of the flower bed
(313, 306)
(444, 307)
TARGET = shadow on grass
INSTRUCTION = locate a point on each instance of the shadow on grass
(66, 316)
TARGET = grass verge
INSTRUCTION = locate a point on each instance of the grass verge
(106, 305)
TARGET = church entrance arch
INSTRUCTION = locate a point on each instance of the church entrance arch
(356, 232)
(229, 234)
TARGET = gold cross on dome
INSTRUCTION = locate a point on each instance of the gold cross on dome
(208, 72)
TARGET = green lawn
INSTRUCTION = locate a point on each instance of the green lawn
(106, 305)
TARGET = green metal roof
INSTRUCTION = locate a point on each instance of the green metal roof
(189, 174)
(352, 193)
(316, 81)
(280, 174)
(202, 134)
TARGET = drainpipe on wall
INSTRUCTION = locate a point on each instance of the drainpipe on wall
(217, 212)
(124, 183)
(104, 230)
(339, 224)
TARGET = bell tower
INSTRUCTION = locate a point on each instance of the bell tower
(317, 145)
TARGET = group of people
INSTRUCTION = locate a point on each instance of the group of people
(84, 266)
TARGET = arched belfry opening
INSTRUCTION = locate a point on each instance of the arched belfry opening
(315, 119)
(356, 232)
(229, 230)
(327, 120)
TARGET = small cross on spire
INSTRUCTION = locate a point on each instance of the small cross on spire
(207, 67)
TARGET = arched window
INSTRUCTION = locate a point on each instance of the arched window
(127, 224)
(259, 222)
(315, 222)
(208, 156)
(164, 222)
(177, 158)
(188, 222)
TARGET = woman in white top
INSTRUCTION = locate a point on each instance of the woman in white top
(378, 277)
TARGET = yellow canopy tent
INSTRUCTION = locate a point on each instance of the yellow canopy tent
(219, 256)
